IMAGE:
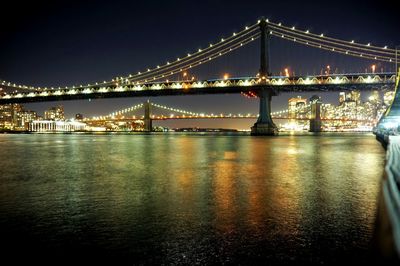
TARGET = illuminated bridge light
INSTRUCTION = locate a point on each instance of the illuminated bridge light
(119, 89)
(176, 86)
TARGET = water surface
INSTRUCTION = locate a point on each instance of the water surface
(190, 199)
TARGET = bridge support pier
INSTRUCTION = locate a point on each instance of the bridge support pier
(148, 123)
(315, 121)
(264, 125)
(389, 124)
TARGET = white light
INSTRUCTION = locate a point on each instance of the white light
(385, 47)
(368, 44)
(322, 35)
(279, 24)
(352, 41)
(307, 31)
(293, 28)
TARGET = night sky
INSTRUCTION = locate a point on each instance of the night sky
(62, 43)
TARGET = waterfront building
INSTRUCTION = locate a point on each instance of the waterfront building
(55, 113)
(15, 117)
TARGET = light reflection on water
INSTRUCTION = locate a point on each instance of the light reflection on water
(191, 198)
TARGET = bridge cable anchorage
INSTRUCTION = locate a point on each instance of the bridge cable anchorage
(323, 37)
(333, 48)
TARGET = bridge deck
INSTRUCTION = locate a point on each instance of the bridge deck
(279, 84)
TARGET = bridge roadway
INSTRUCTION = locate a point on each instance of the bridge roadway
(128, 119)
(325, 83)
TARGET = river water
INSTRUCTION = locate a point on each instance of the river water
(189, 198)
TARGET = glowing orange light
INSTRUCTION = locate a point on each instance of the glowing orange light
(226, 76)
(373, 68)
(286, 72)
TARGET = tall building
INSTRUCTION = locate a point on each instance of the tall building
(15, 117)
(388, 97)
(350, 96)
(55, 113)
(24, 118)
(296, 107)
(375, 97)
(6, 116)
(342, 97)
(356, 96)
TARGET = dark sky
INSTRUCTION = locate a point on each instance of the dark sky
(62, 43)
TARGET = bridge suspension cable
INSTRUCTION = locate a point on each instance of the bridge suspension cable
(212, 49)
(236, 40)
(126, 110)
(200, 61)
(326, 40)
(332, 48)
(332, 44)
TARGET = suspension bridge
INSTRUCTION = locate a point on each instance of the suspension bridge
(159, 80)
(146, 112)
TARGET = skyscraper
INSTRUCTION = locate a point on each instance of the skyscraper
(55, 113)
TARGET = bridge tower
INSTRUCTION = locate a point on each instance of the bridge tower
(315, 119)
(264, 125)
(148, 123)
(389, 124)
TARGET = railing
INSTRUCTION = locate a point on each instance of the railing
(391, 188)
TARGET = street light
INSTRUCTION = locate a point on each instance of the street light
(286, 72)
(373, 68)
(226, 76)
